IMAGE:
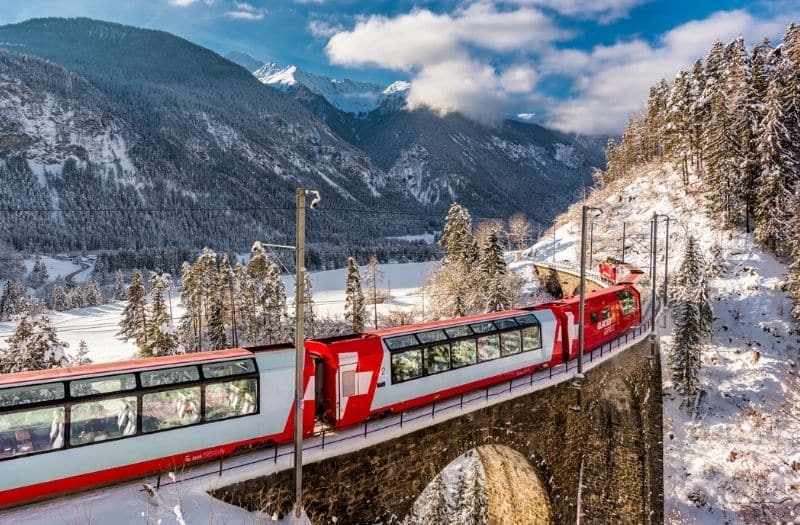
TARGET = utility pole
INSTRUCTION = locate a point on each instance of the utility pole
(299, 338)
(624, 224)
(582, 303)
(653, 261)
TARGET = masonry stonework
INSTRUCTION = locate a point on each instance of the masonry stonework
(617, 436)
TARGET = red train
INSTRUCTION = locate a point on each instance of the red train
(65, 430)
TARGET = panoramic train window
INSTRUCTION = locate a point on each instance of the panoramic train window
(406, 365)
(434, 336)
(170, 409)
(32, 431)
(531, 338)
(488, 347)
(502, 324)
(231, 399)
(464, 353)
(101, 420)
(102, 385)
(229, 368)
(458, 331)
(437, 359)
(401, 341)
(627, 302)
(527, 320)
(31, 394)
(510, 343)
(481, 328)
(169, 376)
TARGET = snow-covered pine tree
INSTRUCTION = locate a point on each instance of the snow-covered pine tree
(58, 299)
(75, 298)
(245, 300)
(133, 325)
(677, 139)
(309, 315)
(354, 308)
(778, 168)
(189, 327)
(692, 317)
(273, 304)
(217, 336)
(457, 237)
(39, 274)
(373, 276)
(81, 355)
(34, 345)
(160, 337)
(655, 119)
(120, 290)
(493, 268)
(13, 301)
(224, 294)
(92, 295)
(697, 113)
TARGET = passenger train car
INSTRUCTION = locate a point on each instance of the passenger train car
(64, 430)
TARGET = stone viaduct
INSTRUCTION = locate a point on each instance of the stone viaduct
(615, 441)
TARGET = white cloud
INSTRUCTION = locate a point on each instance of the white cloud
(321, 29)
(182, 3)
(612, 82)
(520, 78)
(603, 11)
(245, 11)
(439, 50)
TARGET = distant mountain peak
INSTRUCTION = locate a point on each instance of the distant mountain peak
(246, 61)
(350, 96)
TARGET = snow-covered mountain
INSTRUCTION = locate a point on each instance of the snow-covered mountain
(346, 95)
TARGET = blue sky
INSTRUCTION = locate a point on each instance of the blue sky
(578, 65)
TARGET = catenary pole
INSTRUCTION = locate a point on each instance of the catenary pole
(299, 337)
(653, 243)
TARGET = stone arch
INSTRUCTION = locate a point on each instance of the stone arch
(493, 481)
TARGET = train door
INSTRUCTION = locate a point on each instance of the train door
(348, 387)
(319, 384)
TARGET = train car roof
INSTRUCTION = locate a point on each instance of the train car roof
(57, 374)
(421, 327)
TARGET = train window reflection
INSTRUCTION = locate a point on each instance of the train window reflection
(230, 399)
(101, 420)
(510, 343)
(464, 353)
(27, 395)
(531, 338)
(170, 409)
(229, 368)
(102, 385)
(170, 376)
(437, 359)
(406, 365)
(488, 347)
(31, 431)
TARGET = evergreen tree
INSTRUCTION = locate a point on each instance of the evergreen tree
(160, 338)
(58, 299)
(778, 167)
(310, 318)
(120, 290)
(354, 312)
(371, 280)
(133, 325)
(39, 274)
(224, 293)
(274, 305)
(75, 298)
(92, 295)
(34, 345)
(13, 301)
(82, 355)
(191, 323)
(692, 317)
(217, 336)
(493, 267)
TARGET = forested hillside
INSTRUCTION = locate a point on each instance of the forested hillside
(731, 123)
(119, 137)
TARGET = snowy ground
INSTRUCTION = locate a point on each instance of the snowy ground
(733, 455)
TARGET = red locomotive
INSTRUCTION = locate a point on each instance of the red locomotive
(65, 430)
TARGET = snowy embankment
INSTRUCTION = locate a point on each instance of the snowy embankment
(731, 455)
